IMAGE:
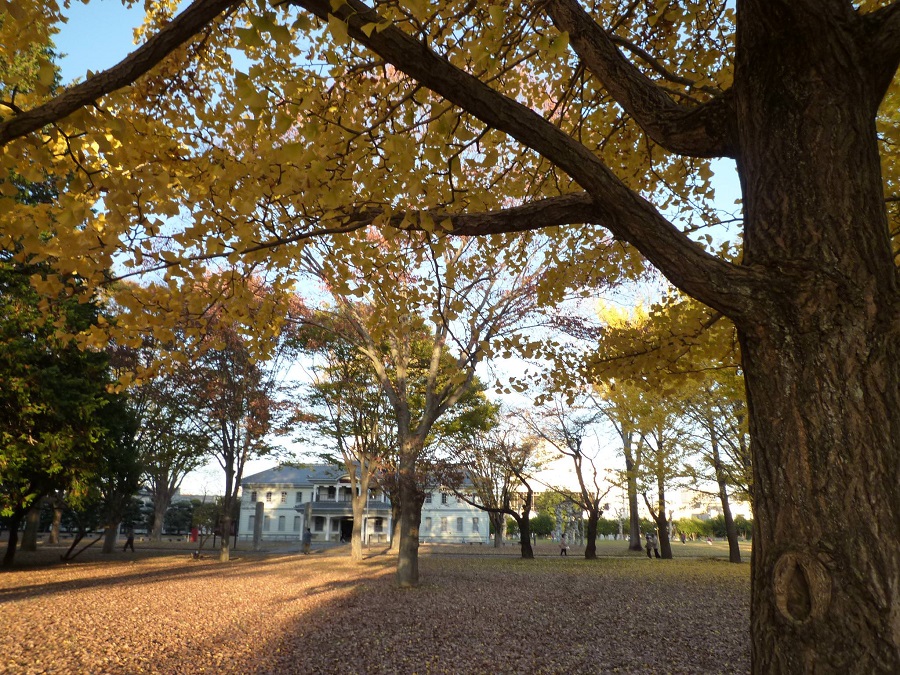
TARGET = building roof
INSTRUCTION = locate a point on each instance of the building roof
(295, 475)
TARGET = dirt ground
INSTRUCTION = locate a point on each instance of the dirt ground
(477, 610)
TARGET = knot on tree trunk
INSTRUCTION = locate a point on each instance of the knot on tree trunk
(802, 587)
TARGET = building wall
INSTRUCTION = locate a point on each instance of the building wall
(281, 520)
(447, 519)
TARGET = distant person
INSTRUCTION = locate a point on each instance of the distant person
(307, 540)
(129, 541)
(651, 544)
(563, 548)
(709, 540)
(683, 538)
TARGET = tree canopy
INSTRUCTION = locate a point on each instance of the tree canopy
(238, 132)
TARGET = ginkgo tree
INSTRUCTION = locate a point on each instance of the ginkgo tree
(424, 318)
(477, 118)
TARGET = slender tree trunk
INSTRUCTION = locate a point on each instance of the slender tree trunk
(734, 547)
(822, 355)
(57, 521)
(225, 543)
(634, 529)
(162, 498)
(15, 521)
(227, 504)
(359, 511)
(590, 549)
(498, 520)
(32, 524)
(395, 522)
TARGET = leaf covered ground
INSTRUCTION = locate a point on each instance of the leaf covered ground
(289, 613)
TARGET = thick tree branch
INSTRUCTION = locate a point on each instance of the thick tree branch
(731, 289)
(883, 44)
(183, 27)
(707, 130)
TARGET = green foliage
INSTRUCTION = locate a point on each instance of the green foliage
(542, 525)
(607, 526)
(54, 432)
(179, 517)
(695, 526)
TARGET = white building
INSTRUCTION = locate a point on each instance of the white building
(318, 497)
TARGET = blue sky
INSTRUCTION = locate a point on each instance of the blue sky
(97, 36)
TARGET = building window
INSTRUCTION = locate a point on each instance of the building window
(299, 498)
(267, 523)
(443, 498)
(253, 497)
(268, 496)
(476, 527)
(443, 524)
(335, 525)
(319, 524)
(427, 524)
(427, 497)
(296, 523)
(379, 525)
(459, 524)
(284, 497)
(281, 523)
(251, 523)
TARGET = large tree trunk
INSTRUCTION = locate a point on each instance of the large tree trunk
(525, 539)
(411, 500)
(32, 524)
(110, 534)
(822, 357)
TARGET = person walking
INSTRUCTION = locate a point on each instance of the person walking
(563, 547)
(129, 541)
(651, 544)
(307, 540)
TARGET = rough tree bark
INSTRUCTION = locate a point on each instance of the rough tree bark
(411, 499)
(822, 365)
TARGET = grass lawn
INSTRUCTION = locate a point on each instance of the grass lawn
(478, 610)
